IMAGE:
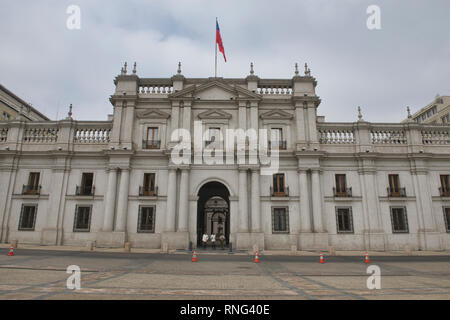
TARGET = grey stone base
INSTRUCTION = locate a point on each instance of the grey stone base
(110, 239)
(248, 241)
(175, 240)
(375, 241)
(313, 241)
(49, 237)
(431, 241)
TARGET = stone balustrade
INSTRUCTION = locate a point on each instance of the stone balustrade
(155, 89)
(274, 90)
(388, 136)
(382, 134)
(3, 134)
(90, 134)
(336, 135)
(436, 136)
(37, 134)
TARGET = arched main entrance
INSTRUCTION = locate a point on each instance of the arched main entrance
(213, 211)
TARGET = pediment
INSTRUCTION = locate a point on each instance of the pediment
(215, 90)
(152, 114)
(277, 114)
(214, 114)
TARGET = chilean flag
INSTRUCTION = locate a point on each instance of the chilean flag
(219, 41)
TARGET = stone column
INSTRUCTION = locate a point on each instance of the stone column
(183, 208)
(122, 203)
(305, 215)
(174, 120)
(243, 201)
(256, 205)
(316, 201)
(300, 123)
(110, 201)
(171, 200)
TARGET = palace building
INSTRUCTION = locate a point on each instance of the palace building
(354, 186)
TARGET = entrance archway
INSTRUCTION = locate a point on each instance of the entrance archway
(213, 211)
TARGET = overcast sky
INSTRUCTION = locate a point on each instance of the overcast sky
(406, 63)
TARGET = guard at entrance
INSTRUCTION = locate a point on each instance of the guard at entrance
(205, 240)
(213, 240)
(222, 241)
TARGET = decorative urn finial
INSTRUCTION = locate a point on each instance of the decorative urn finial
(296, 69)
(251, 68)
(179, 68)
(134, 68)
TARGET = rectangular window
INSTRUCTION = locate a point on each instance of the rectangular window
(445, 186)
(278, 184)
(33, 183)
(399, 220)
(87, 180)
(280, 220)
(214, 137)
(153, 141)
(344, 220)
(146, 220)
(277, 139)
(149, 184)
(445, 119)
(82, 218)
(447, 218)
(27, 217)
(394, 189)
(341, 184)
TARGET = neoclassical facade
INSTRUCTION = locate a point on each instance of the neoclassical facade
(354, 185)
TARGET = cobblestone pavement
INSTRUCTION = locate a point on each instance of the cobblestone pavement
(41, 274)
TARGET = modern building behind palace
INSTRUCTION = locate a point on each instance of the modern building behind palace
(355, 185)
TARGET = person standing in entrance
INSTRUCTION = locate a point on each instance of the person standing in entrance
(205, 240)
(213, 240)
(222, 240)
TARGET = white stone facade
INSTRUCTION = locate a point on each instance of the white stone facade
(313, 153)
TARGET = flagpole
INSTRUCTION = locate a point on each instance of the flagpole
(215, 46)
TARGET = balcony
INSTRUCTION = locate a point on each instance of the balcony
(151, 144)
(148, 192)
(281, 145)
(284, 193)
(85, 190)
(342, 193)
(213, 144)
(444, 192)
(31, 189)
(396, 192)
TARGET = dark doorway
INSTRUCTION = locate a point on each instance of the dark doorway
(213, 212)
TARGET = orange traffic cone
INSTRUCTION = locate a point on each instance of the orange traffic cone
(11, 251)
(366, 260)
(256, 258)
(321, 260)
(194, 256)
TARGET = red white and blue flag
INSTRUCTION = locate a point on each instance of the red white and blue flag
(219, 41)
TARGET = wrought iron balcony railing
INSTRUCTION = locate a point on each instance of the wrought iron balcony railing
(85, 190)
(282, 145)
(277, 193)
(444, 192)
(31, 189)
(396, 192)
(151, 144)
(147, 191)
(344, 193)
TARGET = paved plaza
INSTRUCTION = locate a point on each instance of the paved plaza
(41, 274)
